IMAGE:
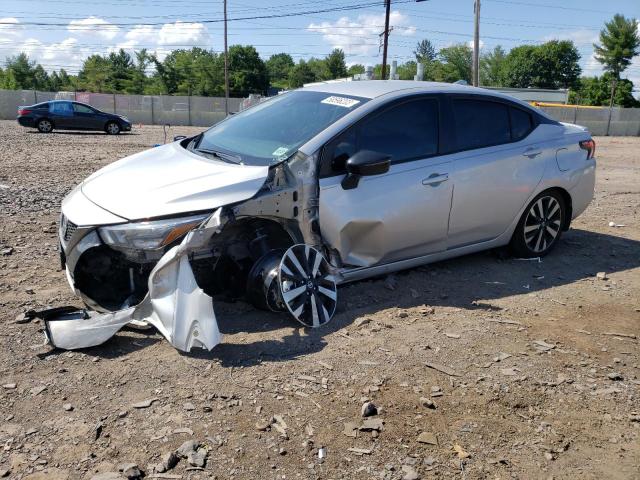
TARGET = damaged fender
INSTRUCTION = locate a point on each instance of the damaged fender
(175, 305)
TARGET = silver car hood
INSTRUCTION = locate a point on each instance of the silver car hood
(169, 180)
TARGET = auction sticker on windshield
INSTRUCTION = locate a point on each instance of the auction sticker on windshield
(341, 101)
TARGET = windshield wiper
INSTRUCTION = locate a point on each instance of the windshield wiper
(222, 156)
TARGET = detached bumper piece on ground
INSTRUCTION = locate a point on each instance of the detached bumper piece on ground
(183, 313)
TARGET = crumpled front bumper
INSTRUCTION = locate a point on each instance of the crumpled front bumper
(175, 305)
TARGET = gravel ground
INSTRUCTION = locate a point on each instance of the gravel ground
(480, 367)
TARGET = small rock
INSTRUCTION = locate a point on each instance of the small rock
(427, 402)
(187, 447)
(548, 456)
(361, 322)
(4, 472)
(282, 451)
(409, 473)
(68, 407)
(368, 409)
(9, 386)
(38, 390)
(602, 276)
(428, 438)
(615, 376)
(501, 356)
(6, 251)
(371, 424)
(145, 403)
(130, 470)
(189, 407)
(197, 458)
(167, 462)
(263, 425)
(24, 317)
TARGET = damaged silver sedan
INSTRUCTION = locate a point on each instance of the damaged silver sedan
(324, 185)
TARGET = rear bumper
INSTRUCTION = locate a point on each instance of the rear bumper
(582, 191)
(26, 121)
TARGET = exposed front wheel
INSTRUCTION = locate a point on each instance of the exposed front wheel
(45, 126)
(540, 227)
(307, 285)
(112, 128)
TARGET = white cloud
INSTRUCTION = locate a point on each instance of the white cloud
(10, 27)
(361, 36)
(94, 26)
(579, 37)
(183, 33)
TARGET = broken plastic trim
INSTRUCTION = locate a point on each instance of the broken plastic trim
(175, 305)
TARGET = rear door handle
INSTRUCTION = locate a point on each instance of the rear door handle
(532, 152)
(435, 179)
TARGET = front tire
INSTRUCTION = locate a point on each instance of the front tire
(45, 126)
(540, 226)
(112, 128)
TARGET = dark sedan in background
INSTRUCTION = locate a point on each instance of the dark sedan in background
(67, 115)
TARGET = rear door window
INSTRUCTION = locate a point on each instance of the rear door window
(521, 123)
(61, 108)
(480, 123)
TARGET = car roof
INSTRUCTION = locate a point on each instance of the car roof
(376, 88)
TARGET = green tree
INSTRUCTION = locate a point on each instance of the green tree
(319, 68)
(247, 72)
(597, 91)
(94, 74)
(335, 64)
(355, 69)
(619, 43)
(553, 64)
(301, 74)
(9, 81)
(139, 78)
(491, 65)
(456, 63)
(22, 70)
(120, 71)
(425, 52)
(279, 66)
(408, 70)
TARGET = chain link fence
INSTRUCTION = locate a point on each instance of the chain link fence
(145, 109)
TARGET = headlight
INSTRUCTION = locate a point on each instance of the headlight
(153, 235)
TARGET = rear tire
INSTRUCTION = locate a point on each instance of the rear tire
(540, 226)
(112, 128)
(44, 125)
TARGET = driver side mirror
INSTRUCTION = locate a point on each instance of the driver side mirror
(363, 164)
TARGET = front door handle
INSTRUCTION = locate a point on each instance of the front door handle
(435, 179)
(532, 152)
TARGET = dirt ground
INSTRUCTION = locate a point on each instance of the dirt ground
(538, 385)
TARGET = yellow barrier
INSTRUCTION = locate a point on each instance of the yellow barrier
(545, 104)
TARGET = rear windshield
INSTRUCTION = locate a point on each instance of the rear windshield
(41, 106)
(272, 131)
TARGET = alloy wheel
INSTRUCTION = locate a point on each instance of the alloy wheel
(45, 126)
(543, 223)
(113, 129)
(307, 285)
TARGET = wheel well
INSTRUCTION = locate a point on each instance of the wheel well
(568, 214)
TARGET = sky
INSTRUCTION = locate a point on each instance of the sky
(62, 33)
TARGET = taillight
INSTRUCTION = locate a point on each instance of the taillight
(589, 146)
(24, 111)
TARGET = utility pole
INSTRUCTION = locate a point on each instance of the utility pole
(476, 45)
(385, 38)
(226, 65)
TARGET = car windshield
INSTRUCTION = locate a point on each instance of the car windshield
(272, 131)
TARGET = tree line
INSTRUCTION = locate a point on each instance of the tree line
(197, 71)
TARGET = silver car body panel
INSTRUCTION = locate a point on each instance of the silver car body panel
(170, 180)
(450, 205)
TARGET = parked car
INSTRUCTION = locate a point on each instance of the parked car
(67, 115)
(325, 185)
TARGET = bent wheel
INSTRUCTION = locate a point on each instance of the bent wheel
(307, 285)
